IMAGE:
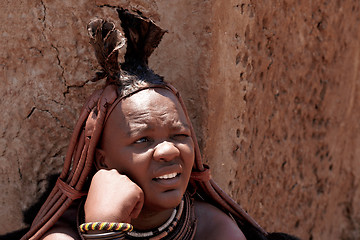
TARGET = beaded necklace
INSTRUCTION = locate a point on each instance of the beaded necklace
(180, 226)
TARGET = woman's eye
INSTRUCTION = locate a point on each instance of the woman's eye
(142, 140)
(181, 136)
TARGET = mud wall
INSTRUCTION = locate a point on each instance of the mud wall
(272, 88)
(284, 113)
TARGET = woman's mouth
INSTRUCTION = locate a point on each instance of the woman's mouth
(168, 181)
(167, 176)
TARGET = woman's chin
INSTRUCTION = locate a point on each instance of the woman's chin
(163, 201)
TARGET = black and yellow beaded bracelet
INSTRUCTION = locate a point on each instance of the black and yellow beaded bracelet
(107, 226)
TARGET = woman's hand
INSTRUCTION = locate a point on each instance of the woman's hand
(113, 197)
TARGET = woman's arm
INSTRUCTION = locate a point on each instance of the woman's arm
(112, 197)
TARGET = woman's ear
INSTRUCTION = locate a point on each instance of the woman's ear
(100, 159)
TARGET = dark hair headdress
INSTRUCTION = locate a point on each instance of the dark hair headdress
(123, 79)
(107, 42)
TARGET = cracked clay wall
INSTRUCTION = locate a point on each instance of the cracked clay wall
(271, 87)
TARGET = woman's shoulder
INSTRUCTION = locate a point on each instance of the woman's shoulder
(215, 224)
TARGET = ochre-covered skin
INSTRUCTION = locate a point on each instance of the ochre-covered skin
(271, 88)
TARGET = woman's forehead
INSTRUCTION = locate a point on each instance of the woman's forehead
(158, 103)
(150, 99)
(151, 94)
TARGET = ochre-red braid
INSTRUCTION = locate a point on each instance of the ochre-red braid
(77, 153)
(108, 97)
(89, 105)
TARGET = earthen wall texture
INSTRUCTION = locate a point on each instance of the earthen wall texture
(272, 88)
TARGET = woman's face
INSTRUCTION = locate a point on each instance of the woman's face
(147, 137)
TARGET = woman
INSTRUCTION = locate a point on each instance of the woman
(135, 155)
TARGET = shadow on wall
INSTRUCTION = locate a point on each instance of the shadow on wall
(30, 213)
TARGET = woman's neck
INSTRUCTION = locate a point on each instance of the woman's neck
(148, 220)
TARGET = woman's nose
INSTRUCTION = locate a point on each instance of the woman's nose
(166, 151)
